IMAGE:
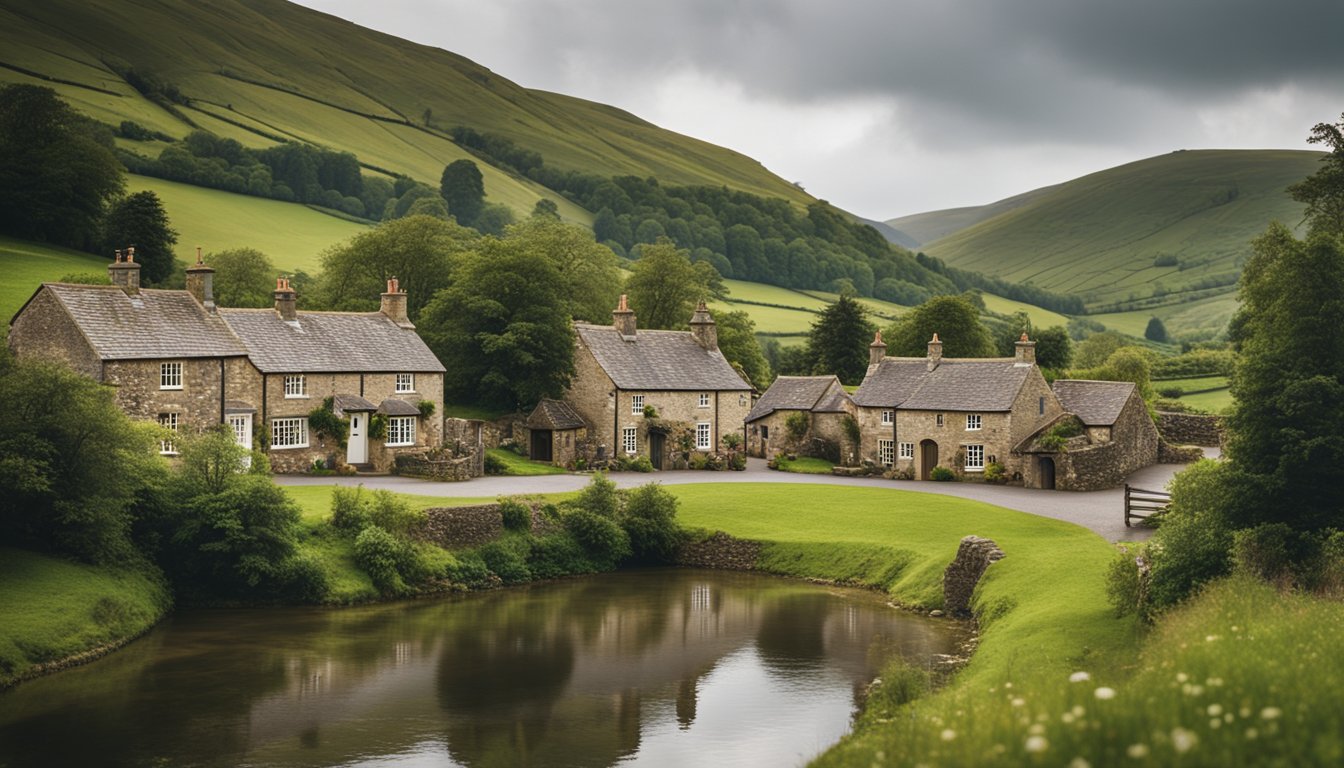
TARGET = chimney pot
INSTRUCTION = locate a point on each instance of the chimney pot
(285, 300)
(703, 328)
(935, 352)
(1026, 351)
(125, 273)
(623, 319)
(877, 350)
(394, 304)
(201, 282)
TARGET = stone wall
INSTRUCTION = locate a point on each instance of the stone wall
(720, 551)
(454, 469)
(470, 526)
(43, 330)
(974, 556)
(1190, 428)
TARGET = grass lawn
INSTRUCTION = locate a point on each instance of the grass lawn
(54, 608)
(1216, 401)
(519, 466)
(27, 265)
(1194, 384)
(805, 465)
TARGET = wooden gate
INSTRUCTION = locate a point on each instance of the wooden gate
(1141, 503)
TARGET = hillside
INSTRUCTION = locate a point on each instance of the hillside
(1156, 232)
(932, 225)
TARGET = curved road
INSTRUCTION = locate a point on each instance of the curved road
(1101, 511)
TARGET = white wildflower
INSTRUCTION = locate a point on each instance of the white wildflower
(1079, 762)
(1252, 734)
(948, 735)
(1104, 693)
(1078, 710)
(1181, 677)
(1036, 744)
(1271, 713)
(1078, 677)
(1036, 729)
(1137, 751)
(1183, 741)
(1067, 718)
(1215, 724)
(1019, 702)
(1215, 710)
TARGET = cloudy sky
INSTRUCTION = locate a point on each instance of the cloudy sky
(890, 107)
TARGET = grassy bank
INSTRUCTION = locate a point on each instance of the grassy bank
(806, 465)
(54, 609)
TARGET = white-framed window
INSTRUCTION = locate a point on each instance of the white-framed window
(702, 436)
(168, 446)
(405, 382)
(400, 430)
(170, 375)
(975, 458)
(289, 433)
(703, 401)
(637, 405)
(296, 385)
(973, 421)
(886, 417)
(938, 420)
(907, 450)
(629, 441)
(886, 452)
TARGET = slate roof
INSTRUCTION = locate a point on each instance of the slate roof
(1095, 403)
(799, 393)
(659, 360)
(554, 414)
(329, 342)
(955, 385)
(347, 403)
(394, 407)
(153, 324)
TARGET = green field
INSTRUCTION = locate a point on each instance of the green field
(1194, 384)
(1203, 318)
(1216, 401)
(24, 265)
(1040, 318)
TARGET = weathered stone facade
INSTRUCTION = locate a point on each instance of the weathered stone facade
(974, 556)
(43, 330)
(720, 551)
(1093, 461)
(1190, 428)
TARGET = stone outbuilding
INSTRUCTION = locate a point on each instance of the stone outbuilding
(1105, 435)
(822, 400)
(554, 432)
(650, 393)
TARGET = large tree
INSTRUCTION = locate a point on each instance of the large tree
(419, 251)
(463, 189)
(1323, 191)
(664, 286)
(244, 277)
(956, 321)
(140, 220)
(57, 170)
(589, 276)
(502, 327)
(838, 341)
(737, 342)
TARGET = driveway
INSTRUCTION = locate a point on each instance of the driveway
(1100, 511)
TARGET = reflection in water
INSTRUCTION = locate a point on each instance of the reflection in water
(667, 667)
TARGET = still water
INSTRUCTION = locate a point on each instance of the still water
(648, 668)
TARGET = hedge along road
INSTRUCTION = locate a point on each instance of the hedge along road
(1099, 511)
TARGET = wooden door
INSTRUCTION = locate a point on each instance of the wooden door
(928, 458)
(1047, 473)
(542, 441)
(657, 443)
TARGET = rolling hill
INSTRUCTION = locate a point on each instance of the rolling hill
(1153, 233)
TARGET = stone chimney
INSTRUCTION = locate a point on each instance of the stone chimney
(877, 350)
(394, 305)
(703, 328)
(935, 352)
(285, 299)
(1026, 351)
(125, 274)
(623, 319)
(201, 283)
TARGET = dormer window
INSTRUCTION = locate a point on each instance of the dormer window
(296, 385)
(170, 375)
(405, 382)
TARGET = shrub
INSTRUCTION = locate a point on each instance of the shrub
(995, 473)
(556, 555)
(324, 422)
(1172, 392)
(599, 497)
(796, 425)
(698, 461)
(505, 561)
(426, 408)
(1124, 588)
(349, 513)
(1193, 544)
(392, 514)
(236, 542)
(379, 553)
(942, 474)
(517, 516)
(899, 684)
(470, 570)
(605, 542)
(639, 464)
(649, 519)
(304, 580)
(1272, 552)
(650, 412)
(738, 462)
(1057, 435)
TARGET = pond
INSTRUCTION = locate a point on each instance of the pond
(651, 668)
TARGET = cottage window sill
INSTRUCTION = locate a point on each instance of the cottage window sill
(296, 397)
(178, 387)
(399, 445)
(287, 447)
(974, 469)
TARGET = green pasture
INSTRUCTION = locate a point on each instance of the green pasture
(1040, 318)
(26, 265)
(1215, 401)
(1205, 317)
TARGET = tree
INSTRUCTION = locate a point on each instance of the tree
(1155, 331)
(664, 286)
(463, 189)
(502, 327)
(236, 540)
(493, 219)
(838, 341)
(140, 220)
(420, 251)
(1323, 191)
(589, 275)
(737, 342)
(956, 321)
(244, 277)
(546, 208)
(1129, 364)
(1054, 348)
(1094, 350)
(57, 170)
(428, 204)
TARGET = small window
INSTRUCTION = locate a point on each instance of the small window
(972, 421)
(886, 417)
(400, 430)
(637, 405)
(938, 420)
(628, 441)
(170, 375)
(704, 400)
(405, 382)
(765, 432)
(1041, 407)
(289, 433)
(702, 436)
(296, 386)
(885, 453)
(975, 458)
(907, 450)
(168, 446)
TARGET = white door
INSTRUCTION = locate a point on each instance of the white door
(357, 447)
(241, 424)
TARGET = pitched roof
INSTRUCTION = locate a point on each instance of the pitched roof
(956, 384)
(799, 393)
(343, 404)
(152, 324)
(554, 414)
(1095, 403)
(394, 407)
(329, 342)
(666, 360)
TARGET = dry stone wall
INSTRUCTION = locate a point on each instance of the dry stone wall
(1190, 428)
(974, 556)
(470, 526)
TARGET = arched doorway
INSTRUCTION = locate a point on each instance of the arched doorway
(928, 458)
(1047, 473)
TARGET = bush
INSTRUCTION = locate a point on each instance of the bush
(494, 465)
(304, 580)
(599, 497)
(517, 517)
(605, 541)
(504, 559)
(796, 425)
(636, 464)
(1194, 542)
(738, 462)
(349, 512)
(379, 554)
(942, 474)
(469, 570)
(392, 514)
(649, 519)
(238, 541)
(996, 473)
(1124, 588)
(556, 555)
(1273, 552)
(899, 684)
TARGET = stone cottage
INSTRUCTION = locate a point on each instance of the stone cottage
(655, 393)
(176, 358)
(823, 402)
(1112, 436)
(964, 414)
(554, 431)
